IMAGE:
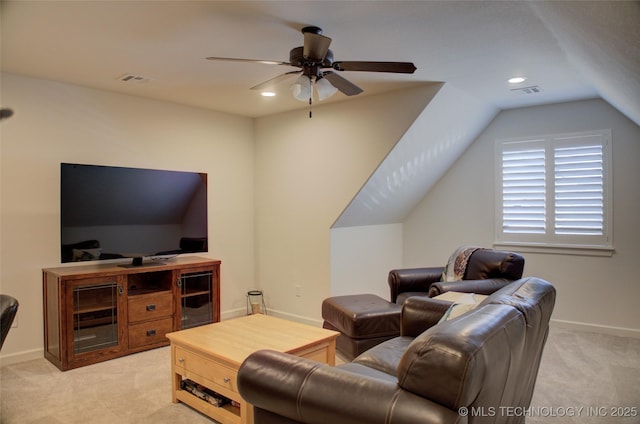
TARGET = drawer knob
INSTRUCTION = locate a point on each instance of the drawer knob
(151, 308)
(151, 333)
(181, 360)
(227, 379)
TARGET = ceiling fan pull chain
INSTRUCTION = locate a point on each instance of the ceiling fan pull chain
(310, 97)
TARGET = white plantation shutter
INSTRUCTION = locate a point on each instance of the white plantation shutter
(554, 190)
(579, 188)
(523, 189)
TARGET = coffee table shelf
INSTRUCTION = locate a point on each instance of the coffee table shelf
(225, 414)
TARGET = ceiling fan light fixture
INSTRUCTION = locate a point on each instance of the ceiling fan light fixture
(325, 89)
(268, 94)
(301, 88)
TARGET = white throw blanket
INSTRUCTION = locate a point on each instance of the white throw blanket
(457, 264)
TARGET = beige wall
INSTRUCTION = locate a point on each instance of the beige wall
(303, 171)
(361, 258)
(307, 172)
(601, 292)
(55, 123)
(277, 185)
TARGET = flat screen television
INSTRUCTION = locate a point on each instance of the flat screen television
(109, 212)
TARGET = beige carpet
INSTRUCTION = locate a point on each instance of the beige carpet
(579, 370)
(596, 372)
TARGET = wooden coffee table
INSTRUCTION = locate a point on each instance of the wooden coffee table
(210, 356)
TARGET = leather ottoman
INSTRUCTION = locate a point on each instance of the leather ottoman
(363, 320)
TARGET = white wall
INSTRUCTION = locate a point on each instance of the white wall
(307, 172)
(361, 258)
(600, 292)
(55, 122)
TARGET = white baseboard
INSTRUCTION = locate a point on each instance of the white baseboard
(595, 328)
(17, 357)
(296, 318)
(28, 355)
(236, 313)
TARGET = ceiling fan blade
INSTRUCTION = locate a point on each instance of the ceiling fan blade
(397, 67)
(315, 46)
(273, 80)
(233, 59)
(345, 86)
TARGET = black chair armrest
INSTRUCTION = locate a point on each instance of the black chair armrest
(412, 280)
(421, 313)
(486, 287)
(489, 263)
(306, 391)
(8, 310)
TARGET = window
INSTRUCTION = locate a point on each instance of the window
(555, 191)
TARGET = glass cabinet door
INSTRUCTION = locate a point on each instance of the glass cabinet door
(196, 298)
(95, 315)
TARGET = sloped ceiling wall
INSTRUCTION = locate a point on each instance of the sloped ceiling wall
(602, 40)
(446, 127)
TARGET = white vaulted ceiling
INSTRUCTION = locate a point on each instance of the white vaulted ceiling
(569, 50)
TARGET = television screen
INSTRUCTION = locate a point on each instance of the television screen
(109, 212)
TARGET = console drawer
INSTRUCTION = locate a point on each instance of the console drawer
(150, 332)
(145, 307)
(188, 363)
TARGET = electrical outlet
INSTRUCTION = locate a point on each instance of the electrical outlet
(298, 291)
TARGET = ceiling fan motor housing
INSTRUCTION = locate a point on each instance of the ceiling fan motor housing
(312, 29)
(296, 58)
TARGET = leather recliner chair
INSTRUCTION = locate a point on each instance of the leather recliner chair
(487, 270)
(8, 310)
(470, 369)
(366, 320)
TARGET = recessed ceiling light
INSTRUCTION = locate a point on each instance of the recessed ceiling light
(268, 94)
(517, 80)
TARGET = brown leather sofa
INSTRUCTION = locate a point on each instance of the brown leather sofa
(469, 369)
(487, 270)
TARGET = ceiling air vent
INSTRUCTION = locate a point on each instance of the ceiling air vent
(132, 78)
(528, 90)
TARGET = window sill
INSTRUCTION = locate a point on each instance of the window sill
(579, 250)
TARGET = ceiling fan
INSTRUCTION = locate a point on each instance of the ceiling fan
(316, 64)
